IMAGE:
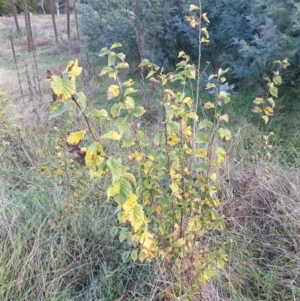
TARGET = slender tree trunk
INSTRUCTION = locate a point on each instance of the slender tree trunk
(16, 64)
(68, 18)
(14, 11)
(28, 26)
(53, 20)
(57, 7)
(76, 20)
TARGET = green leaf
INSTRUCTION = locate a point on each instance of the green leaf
(129, 101)
(138, 111)
(144, 63)
(127, 142)
(274, 91)
(205, 123)
(258, 100)
(106, 70)
(113, 135)
(81, 100)
(113, 189)
(130, 177)
(116, 168)
(113, 231)
(272, 102)
(159, 139)
(115, 109)
(136, 217)
(57, 108)
(200, 166)
(122, 124)
(125, 191)
(134, 255)
(125, 256)
(100, 114)
(123, 235)
(202, 138)
(130, 91)
(277, 80)
(224, 134)
(62, 87)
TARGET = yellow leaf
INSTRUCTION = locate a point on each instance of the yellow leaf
(208, 105)
(268, 111)
(257, 110)
(94, 155)
(204, 30)
(173, 140)
(265, 118)
(258, 100)
(113, 135)
(194, 7)
(113, 91)
(204, 41)
(205, 19)
(75, 138)
(193, 21)
(201, 153)
(224, 117)
(213, 176)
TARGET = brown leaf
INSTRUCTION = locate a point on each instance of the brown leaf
(168, 294)
(186, 263)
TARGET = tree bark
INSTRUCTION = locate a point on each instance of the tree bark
(28, 26)
(53, 20)
(14, 11)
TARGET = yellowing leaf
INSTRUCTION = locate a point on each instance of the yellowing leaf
(113, 91)
(201, 153)
(73, 70)
(265, 118)
(224, 117)
(277, 80)
(100, 114)
(272, 102)
(193, 21)
(204, 41)
(62, 87)
(268, 111)
(274, 91)
(113, 135)
(94, 155)
(194, 7)
(224, 134)
(204, 30)
(173, 140)
(75, 138)
(208, 105)
(205, 19)
(257, 110)
(258, 100)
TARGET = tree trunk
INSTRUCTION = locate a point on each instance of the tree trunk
(53, 20)
(28, 26)
(68, 18)
(14, 11)
(57, 7)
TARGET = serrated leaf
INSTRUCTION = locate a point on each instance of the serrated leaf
(224, 134)
(81, 100)
(100, 114)
(128, 83)
(94, 155)
(277, 80)
(116, 168)
(129, 102)
(113, 91)
(73, 70)
(136, 217)
(62, 87)
(122, 124)
(123, 65)
(201, 153)
(274, 91)
(138, 111)
(205, 123)
(106, 70)
(115, 45)
(144, 63)
(130, 91)
(200, 166)
(125, 191)
(115, 109)
(202, 138)
(57, 108)
(127, 142)
(113, 135)
(75, 138)
(192, 115)
(113, 189)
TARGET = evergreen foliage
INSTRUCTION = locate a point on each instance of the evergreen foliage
(245, 36)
